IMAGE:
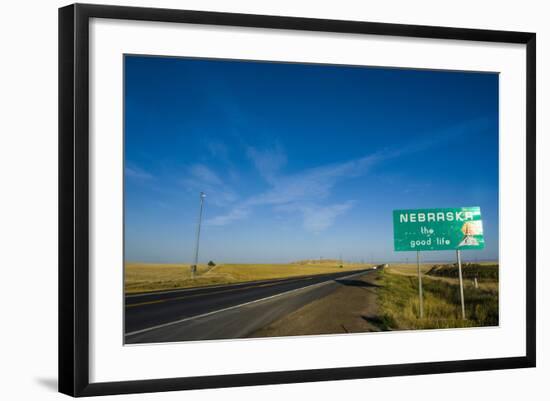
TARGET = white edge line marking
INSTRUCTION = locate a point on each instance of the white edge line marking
(240, 305)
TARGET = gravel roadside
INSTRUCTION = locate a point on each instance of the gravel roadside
(352, 308)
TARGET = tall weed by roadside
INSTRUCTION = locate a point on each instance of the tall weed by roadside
(399, 304)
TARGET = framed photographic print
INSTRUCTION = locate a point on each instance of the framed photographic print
(279, 192)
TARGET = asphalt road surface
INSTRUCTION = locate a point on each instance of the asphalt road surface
(221, 312)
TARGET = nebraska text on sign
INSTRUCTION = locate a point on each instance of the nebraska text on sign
(438, 229)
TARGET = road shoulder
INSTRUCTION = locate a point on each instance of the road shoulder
(351, 308)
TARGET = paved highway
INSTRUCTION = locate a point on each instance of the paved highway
(227, 311)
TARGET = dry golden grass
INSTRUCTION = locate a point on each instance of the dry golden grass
(411, 270)
(144, 277)
(398, 300)
(408, 269)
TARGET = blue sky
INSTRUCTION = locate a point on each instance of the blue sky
(300, 160)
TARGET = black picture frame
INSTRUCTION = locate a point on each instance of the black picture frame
(74, 198)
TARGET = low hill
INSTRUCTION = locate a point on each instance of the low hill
(317, 262)
(469, 270)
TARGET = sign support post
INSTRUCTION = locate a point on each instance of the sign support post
(440, 229)
(461, 283)
(421, 303)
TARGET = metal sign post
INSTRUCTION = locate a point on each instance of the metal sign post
(438, 230)
(421, 303)
(461, 283)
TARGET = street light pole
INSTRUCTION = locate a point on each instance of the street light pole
(196, 261)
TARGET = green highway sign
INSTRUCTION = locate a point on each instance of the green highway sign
(438, 229)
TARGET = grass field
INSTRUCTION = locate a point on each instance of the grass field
(469, 270)
(144, 277)
(399, 305)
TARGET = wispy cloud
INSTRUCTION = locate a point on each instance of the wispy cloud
(201, 178)
(137, 173)
(434, 139)
(301, 192)
(308, 191)
(219, 151)
(317, 218)
(205, 175)
(268, 162)
(237, 213)
(314, 183)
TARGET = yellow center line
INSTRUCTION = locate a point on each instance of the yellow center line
(217, 292)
